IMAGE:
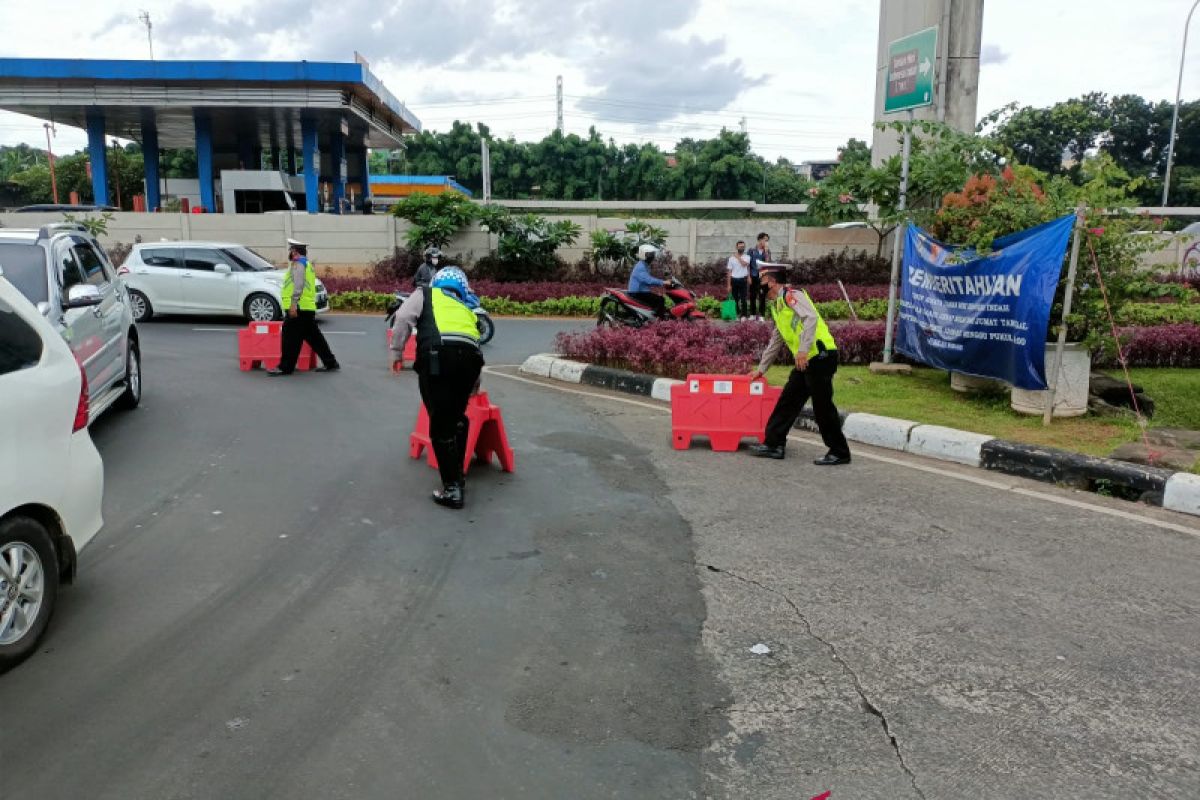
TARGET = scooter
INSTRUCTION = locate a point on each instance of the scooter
(483, 320)
(618, 307)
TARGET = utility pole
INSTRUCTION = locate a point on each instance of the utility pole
(144, 18)
(1175, 116)
(486, 168)
(49, 126)
(559, 123)
(742, 124)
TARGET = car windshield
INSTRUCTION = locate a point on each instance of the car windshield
(25, 267)
(249, 260)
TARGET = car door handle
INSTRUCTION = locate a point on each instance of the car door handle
(187, 275)
(142, 271)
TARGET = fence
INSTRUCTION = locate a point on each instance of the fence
(352, 243)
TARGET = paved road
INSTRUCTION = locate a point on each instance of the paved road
(274, 609)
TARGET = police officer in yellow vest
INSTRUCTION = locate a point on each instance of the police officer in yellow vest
(448, 365)
(799, 326)
(299, 296)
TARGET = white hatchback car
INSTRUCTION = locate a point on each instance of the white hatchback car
(51, 476)
(205, 278)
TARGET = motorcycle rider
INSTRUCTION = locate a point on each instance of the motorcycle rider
(426, 271)
(448, 365)
(643, 286)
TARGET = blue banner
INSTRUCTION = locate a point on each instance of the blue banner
(982, 315)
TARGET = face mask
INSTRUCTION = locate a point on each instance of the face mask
(434, 259)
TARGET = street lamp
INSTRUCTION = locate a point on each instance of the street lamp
(1175, 116)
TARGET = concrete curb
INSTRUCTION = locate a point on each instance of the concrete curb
(1177, 491)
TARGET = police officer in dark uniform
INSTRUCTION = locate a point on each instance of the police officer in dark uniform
(448, 365)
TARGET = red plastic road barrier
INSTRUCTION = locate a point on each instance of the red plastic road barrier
(485, 436)
(261, 344)
(823, 796)
(410, 348)
(725, 408)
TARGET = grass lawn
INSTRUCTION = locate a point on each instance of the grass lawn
(926, 396)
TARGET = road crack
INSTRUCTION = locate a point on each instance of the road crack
(868, 705)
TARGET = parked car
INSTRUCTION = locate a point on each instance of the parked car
(51, 477)
(65, 273)
(205, 278)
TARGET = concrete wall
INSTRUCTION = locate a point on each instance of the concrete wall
(353, 242)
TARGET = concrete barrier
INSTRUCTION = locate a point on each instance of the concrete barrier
(567, 371)
(661, 390)
(1183, 493)
(879, 431)
(539, 365)
(946, 444)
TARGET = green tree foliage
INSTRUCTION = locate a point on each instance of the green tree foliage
(435, 218)
(1132, 130)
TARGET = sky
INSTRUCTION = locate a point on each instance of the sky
(799, 73)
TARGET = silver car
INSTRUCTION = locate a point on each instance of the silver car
(66, 274)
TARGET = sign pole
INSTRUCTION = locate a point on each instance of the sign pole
(894, 283)
(1052, 391)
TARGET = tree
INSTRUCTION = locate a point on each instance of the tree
(435, 218)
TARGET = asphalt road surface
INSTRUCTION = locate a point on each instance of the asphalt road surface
(275, 609)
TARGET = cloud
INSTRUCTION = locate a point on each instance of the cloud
(627, 49)
(992, 54)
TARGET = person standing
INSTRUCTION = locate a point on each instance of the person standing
(643, 286)
(758, 292)
(448, 365)
(426, 271)
(299, 296)
(799, 327)
(737, 276)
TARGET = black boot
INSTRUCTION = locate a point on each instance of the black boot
(451, 496)
(767, 451)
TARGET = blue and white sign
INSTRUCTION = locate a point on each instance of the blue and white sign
(982, 315)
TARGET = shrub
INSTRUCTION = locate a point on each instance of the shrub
(1150, 314)
(359, 301)
(676, 349)
(850, 267)
(435, 218)
(1160, 346)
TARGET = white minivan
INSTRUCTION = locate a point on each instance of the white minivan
(205, 278)
(51, 476)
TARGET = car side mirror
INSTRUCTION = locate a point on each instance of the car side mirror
(224, 269)
(83, 295)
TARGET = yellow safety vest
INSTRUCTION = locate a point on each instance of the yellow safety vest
(791, 328)
(308, 295)
(454, 319)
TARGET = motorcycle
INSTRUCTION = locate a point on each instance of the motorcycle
(483, 320)
(619, 307)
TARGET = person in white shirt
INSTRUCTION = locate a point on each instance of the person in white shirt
(737, 278)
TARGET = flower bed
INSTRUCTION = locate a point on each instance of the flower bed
(674, 350)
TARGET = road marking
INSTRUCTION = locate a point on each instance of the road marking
(900, 462)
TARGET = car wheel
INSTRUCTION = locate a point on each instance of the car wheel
(487, 328)
(139, 304)
(262, 308)
(133, 378)
(28, 587)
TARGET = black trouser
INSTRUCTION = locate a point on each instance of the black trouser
(297, 330)
(758, 297)
(446, 382)
(815, 382)
(738, 288)
(655, 301)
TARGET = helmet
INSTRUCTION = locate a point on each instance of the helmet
(647, 250)
(454, 279)
(432, 252)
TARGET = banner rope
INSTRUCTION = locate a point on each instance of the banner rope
(1142, 421)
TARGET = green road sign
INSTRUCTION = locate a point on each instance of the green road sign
(911, 63)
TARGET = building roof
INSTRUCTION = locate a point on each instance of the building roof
(419, 180)
(262, 101)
